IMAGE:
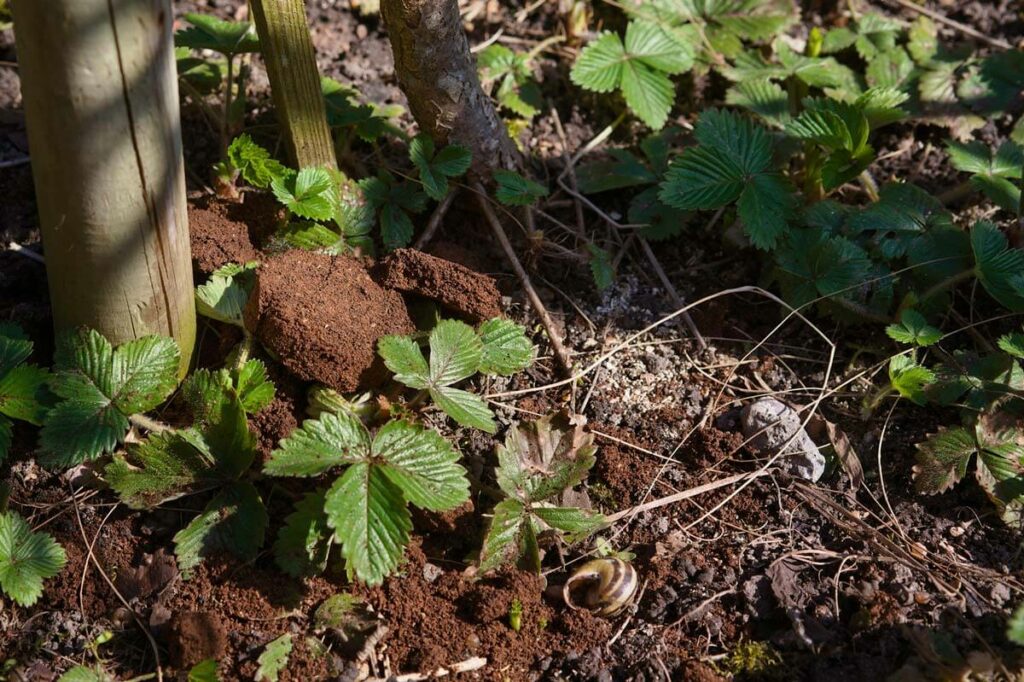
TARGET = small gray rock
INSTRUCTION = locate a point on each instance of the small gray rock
(432, 572)
(770, 424)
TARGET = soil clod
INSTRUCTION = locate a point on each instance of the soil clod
(465, 292)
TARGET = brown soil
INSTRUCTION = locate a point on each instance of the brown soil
(436, 623)
(467, 293)
(216, 238)
(322, 315)
(196, 636)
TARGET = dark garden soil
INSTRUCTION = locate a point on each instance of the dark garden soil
(774, 579)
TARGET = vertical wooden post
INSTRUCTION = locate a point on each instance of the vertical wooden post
(101, 103)
(294, 80)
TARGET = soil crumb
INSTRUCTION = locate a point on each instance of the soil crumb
(196, 636)
(468, 293)
(321, 317)
(216, 238)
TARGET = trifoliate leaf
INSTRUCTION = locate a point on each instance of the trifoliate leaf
(901, 216)
(165, 466)
(515, 190)
(224, 295)
(344, 110)
(889, 69)
(639, 68)
(254, 390)
(999, 268)
(234, 522)
(307, 193)
(1012, 344)
(913, 329)
(26, 559)
(304, 541)
(274, 659)
(810, 265)
(210, 33)
(502, 541)
(423, 464)
(601, 268)
(976, 381)
(942, 460)
(101, 387)
(436, 168)
(909, 379)
(820, 72)
(393, 201)
(219, 417)
(992, 173)
(320, 445)
(368, 514)
(506, 348)
(254, 162)
(762, 97)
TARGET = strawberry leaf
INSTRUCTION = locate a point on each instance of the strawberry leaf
(26, 559)
(913, 329)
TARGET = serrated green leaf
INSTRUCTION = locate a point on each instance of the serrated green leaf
(503, 535)
(601, 268)
(654, 46)
(320, 445)
(220, 418)
(599, 65)
(254, 162)
(101, 387)
(455, 352)
(515, 190)
(464, 407)
(909, 379)
(274, 659)
(422, 464)
(307, 193)
(822, 126)
(304, 541)
(26, 559)
(211, 33)
(1012, 344)
(506, 348)
(81, 673)
(165, 466)
(745, 143)
(314, 237)
(404, 358)
(762, 97)
(23, 393)
(370, 520)
(204, 671)
(765, 206)
(578, 523)
(999, 268)
(702, 178)
(254, 390)
(15, 347)
(942, 460)
(648, 92)
(435, 169)
(544, 457)
(235, 521)
(913, 329)
(224, 295)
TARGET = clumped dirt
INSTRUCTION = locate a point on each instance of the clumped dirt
(196, 636)
(459, 289)
(321, 317)
(216, 238)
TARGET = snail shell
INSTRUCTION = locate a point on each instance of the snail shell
(602, 586)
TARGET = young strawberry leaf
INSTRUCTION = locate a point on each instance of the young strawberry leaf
(100, 388)
(820, 72)
(234, 522)
(909, 379)
(998, 267)
(516, 91)
(393, 201)
(506, 349)
(254, 162)
(26, 559)
(308, 193)
(601, 268)
(210, 33)
(254, 390)
(368, 121)
(224, 295)
(810, 265)
(942, 460)
(367, 505)
(763, 97)
(23, 388)
(436, 167)
(992, 173)
(304, 541)
(1012, 344)
(504, 542)
(733, 163)
(515, 190)
(640, 68)
(913, 329)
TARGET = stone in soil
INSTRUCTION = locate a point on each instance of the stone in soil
(321, 317)
(465, 292)
(771, 426)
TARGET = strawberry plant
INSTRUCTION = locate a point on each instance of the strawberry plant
(508, 77)
(199, 76)
(539, 463)
(27, 558)
(23, 392)
(638, 67)
(437, 166)
(100, 390)
(457, 352)
(512, 189)
(350, 119)
(366, 508)
(733, 164)
(991, 172)
(213, 455)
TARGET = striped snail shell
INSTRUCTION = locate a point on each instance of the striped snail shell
(602, 586)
